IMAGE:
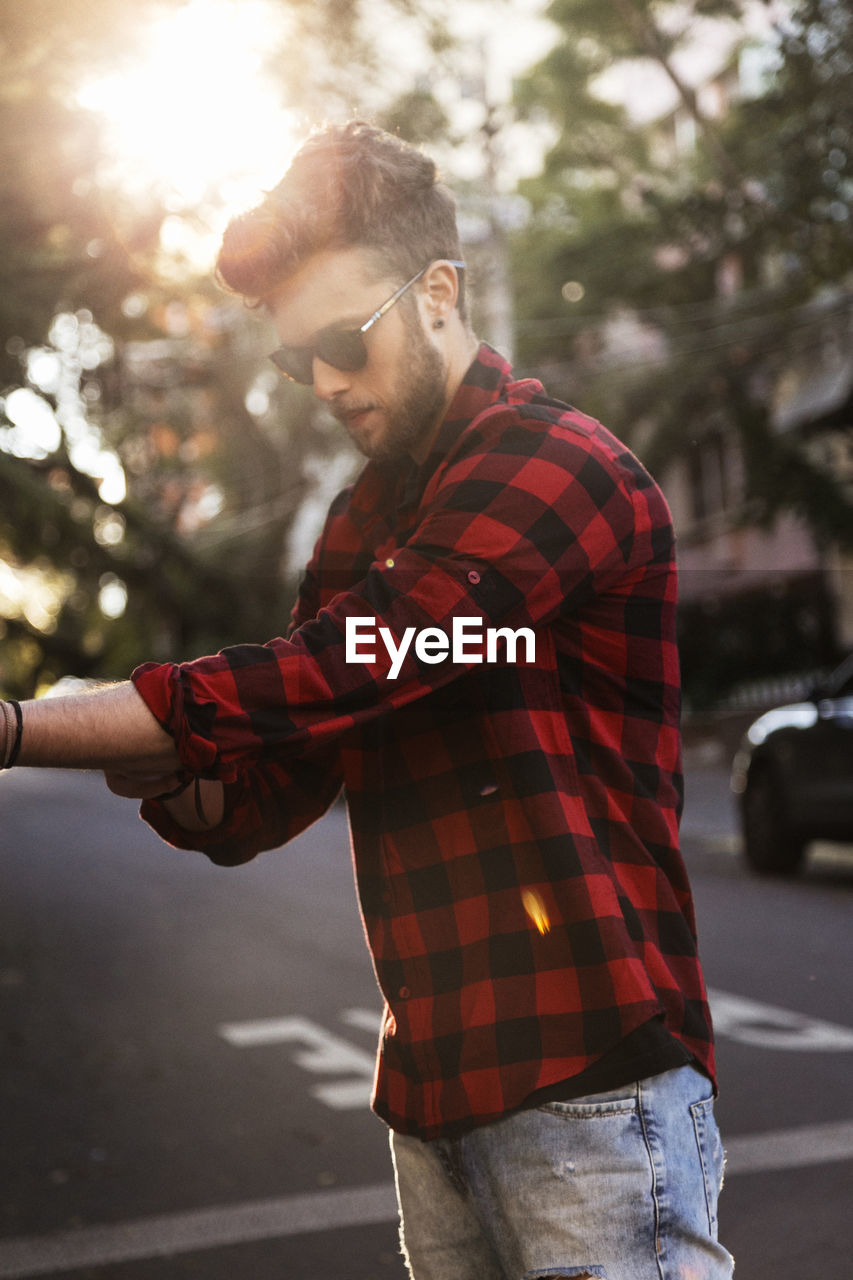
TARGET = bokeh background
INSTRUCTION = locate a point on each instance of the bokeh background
(655, 200)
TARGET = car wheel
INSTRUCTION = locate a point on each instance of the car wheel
(772, 845)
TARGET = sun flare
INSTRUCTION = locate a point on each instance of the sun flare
(194, 113)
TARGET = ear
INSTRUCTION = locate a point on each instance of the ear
(440, 289)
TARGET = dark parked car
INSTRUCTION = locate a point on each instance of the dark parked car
(793, 775)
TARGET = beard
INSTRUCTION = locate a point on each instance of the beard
(418, 409)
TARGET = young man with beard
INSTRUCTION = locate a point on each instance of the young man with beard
(546, 1063)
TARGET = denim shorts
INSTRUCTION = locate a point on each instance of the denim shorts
(620, 1185)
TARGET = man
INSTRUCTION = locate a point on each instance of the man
(546, 1062)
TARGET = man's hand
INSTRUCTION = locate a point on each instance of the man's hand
(144, 786)
(198, 806)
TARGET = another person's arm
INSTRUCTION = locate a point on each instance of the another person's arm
(110, 728)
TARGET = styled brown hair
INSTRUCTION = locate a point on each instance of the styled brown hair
(348, 185)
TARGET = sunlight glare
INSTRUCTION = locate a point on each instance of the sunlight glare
(534, 905)
(194, 113)
(34, 431)
(35, 593)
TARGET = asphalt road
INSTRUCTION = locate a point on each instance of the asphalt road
(187, 1050)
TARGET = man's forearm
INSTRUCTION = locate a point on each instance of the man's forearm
(108, 728)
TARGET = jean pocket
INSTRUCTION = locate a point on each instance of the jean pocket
(618, 1102)
(711, 1156)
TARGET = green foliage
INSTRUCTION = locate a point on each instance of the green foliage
(726, 264)
(201, 541)
(416, 116)
(644, 228)
(796, 141)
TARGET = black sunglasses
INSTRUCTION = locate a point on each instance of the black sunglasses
(343, 349)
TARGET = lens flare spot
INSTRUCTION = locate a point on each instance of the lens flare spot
(535, 908)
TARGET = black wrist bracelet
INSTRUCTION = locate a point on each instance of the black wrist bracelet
(19, 733)
(175, 792)
(199, 807)
(179, 791)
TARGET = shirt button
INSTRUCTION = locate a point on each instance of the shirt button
(404, 993)
(473, 576)
(389, 563)
(489, 789)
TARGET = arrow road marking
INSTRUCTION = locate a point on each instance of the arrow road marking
(322, 1053)
(365, 1019)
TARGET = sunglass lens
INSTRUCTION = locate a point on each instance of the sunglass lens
(343, 349)
(295, 362)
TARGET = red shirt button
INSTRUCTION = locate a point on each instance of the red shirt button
(473, 576)
(404, 993)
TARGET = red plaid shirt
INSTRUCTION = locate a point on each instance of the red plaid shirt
(514, 823)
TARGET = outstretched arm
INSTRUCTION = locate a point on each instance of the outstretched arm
(109, 728)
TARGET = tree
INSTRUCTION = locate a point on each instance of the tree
(694, 277)
(143, 368)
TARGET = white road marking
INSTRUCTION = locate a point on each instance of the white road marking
(347, 1095)
(175, 1233)
(365, 1019)
(790, 1148)
(770, 1027)
(323, 1051)
(322, 1054)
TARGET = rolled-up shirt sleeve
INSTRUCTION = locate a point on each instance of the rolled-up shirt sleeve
(266, 805)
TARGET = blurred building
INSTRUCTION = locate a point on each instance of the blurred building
(763, 601)
(763, 609)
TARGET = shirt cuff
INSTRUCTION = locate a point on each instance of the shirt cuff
(165, 694)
